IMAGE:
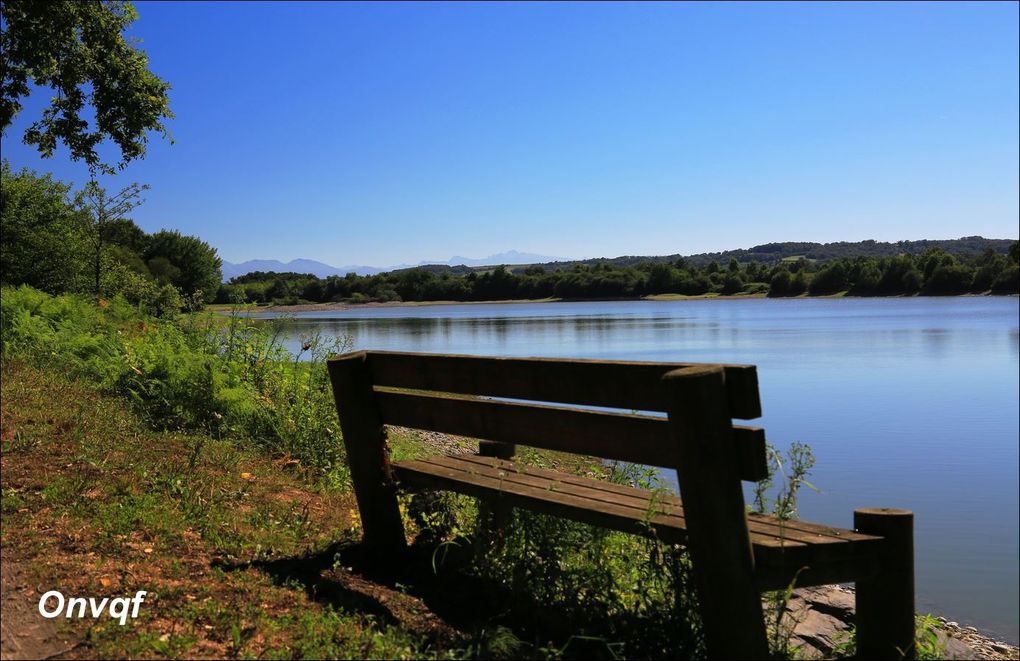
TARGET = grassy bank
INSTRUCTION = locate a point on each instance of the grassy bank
(95, 502)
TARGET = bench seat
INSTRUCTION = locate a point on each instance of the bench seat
(781, 548)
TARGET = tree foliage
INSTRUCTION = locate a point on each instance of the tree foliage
(42, 236)
(78, 50)
(102, 210)
(194, 266)
(85, 244)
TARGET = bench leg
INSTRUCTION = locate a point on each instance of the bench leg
(713, 501)
(496, 512)
(365, 442)
(885, 599)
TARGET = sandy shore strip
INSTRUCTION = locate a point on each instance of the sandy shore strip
(327, 307)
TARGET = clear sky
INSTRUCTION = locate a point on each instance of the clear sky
(379, 134)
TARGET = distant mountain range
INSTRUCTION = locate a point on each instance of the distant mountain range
(322, 270)
(768, 253)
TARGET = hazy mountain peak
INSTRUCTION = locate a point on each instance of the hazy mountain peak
(323, 270)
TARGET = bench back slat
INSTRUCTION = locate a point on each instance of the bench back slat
(611, 384)
(639, 439)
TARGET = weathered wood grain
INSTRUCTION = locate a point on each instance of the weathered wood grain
(629, 437)
(365, 442)
(718, 538)
(819, 553)
(885, 595)
(612, 384)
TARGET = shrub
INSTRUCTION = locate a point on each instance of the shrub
(829, 280)
(949, 279)
(912, 281)
(732, 283)
(1008, 281)
(227, 376)
(780, 283)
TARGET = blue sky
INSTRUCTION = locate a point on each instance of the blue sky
(378, 134)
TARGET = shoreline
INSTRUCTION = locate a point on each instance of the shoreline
(333, 307)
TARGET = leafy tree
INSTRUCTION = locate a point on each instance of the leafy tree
(129, 259)
(661, 279)
(732, 283)
(951, 278)
(42, 236)
(315, 290)
(893, 272)
(1008, 281)
(993, 264)
(829, 280)
(78, 50)
(912, 281)
(780, 283)
(198, 264)
(934, 258)
(798, 265)
(799, 283)
(102, 208)
(163, 271)
(124, 232)
(867, 278)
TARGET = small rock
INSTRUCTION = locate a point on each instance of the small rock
(954, 648)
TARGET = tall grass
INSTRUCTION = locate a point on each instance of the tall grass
(226, 376)
(562, 589)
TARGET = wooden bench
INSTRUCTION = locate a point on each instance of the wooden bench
(735, 555)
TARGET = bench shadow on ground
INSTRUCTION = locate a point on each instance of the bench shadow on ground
(428, 592)
(347, 576)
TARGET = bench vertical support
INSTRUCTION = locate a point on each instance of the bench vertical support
(365, 441)
(885, 598)
(499, 511)
(713, 502)
(497, 449)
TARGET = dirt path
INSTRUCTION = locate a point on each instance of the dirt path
(23, 633)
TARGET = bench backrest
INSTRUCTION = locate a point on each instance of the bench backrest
(535, 401)
(454, 394)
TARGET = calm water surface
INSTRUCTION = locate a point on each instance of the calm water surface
(906, 402)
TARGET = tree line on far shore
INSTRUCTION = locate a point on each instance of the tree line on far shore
(936, 273)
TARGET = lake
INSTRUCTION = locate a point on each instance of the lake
(906, 402)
